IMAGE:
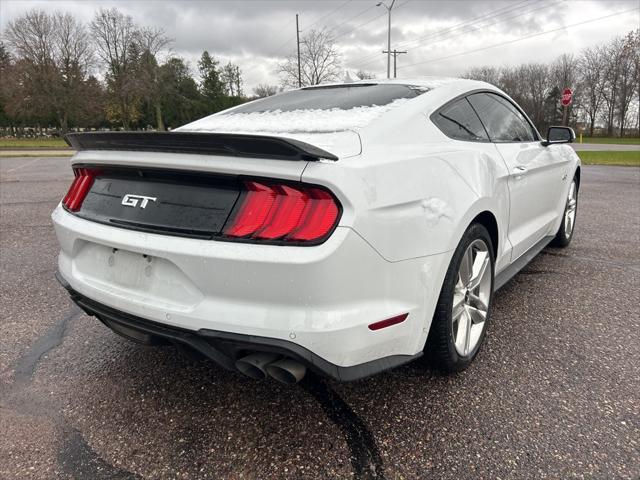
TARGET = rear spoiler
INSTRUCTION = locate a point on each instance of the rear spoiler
(239, 145)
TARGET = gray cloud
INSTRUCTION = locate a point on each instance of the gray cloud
(256, 33)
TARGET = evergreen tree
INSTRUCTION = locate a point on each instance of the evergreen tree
(212, 87)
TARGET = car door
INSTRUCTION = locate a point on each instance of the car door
(458, 121)
(535, 174)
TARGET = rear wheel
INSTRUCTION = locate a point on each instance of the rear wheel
(565, 232)
(461, 316)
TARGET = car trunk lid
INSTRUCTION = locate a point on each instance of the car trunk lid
(163, 201)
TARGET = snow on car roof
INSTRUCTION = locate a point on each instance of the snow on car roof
(294, 121)
(318, 109)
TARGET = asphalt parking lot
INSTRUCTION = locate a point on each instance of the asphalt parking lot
(555, 392)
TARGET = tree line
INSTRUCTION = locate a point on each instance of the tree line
(60, 73)
(605, 80)
(112, 73)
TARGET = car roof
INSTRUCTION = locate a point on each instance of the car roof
(429, 82)
(438, 90)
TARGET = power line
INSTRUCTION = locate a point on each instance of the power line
(291, 39)
(352, 18)
(448, 37)
(326, 15)
(369, 21)
(277, 50)
(275, 53)
(487, 16)
(443, 33)
(519, 39)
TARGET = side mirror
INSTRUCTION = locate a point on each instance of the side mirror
(559, 135)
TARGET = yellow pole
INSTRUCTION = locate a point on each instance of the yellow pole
(580, 137)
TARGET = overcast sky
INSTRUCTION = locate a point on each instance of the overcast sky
(441, 37)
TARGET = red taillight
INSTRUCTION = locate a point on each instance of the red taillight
(79, 188)
(254, 210)
(319, 217)
(284, 213)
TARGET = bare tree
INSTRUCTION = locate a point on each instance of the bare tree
(614, 53)
(54, 55)
(537, 80)
(32, 37)
(605, 80)
(115, 38)
(563, 73)
(484, 74)
(364, 75)
(231, 76)
(74, 57)
(628, 79)
(152, 40)
(265, 90)
(319, 61)
(128, 53)
(592, 79)
(636, 70)
(149, 42)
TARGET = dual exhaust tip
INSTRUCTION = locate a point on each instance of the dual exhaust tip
(260, 365)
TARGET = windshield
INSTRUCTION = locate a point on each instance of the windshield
(343, 97)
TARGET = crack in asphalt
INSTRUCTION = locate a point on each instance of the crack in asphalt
(75, 456)
(26, 365)
(365, 456)
(79, 460)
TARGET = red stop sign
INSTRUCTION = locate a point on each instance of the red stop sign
(567, 97)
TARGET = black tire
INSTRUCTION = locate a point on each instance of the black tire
(562, 240)
(440, 347)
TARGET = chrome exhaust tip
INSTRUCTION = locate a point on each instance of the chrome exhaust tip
(254, 365)
(287, 371)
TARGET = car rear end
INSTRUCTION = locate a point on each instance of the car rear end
(232, 253)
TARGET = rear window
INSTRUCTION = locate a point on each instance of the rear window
(458, 121)
(342, 97)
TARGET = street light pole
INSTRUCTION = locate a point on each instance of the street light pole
(298, 43)
(388, 35)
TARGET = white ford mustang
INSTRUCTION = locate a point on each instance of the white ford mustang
(341, 228)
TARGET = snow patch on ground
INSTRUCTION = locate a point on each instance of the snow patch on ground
(296, 121)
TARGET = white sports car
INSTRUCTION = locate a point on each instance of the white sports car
(344, 229)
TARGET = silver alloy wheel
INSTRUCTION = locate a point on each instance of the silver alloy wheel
(570, 211)
(471, 297)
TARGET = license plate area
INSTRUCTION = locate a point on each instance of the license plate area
(137, 277)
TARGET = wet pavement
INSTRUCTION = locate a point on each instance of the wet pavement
(554, 393)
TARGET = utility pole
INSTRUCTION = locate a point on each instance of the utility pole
(298, 43)
(388, 35)
(395, 54)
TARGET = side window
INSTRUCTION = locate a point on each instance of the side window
(503, 121)
(458, 120)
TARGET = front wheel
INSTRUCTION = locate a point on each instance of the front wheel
(461, 316)
(565, 232)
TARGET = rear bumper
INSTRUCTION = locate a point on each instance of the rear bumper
(316, 301)
(225, 348)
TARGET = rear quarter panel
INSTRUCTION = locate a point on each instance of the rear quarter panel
(415, 200)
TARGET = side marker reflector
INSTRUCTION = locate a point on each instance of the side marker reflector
(388, 322)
